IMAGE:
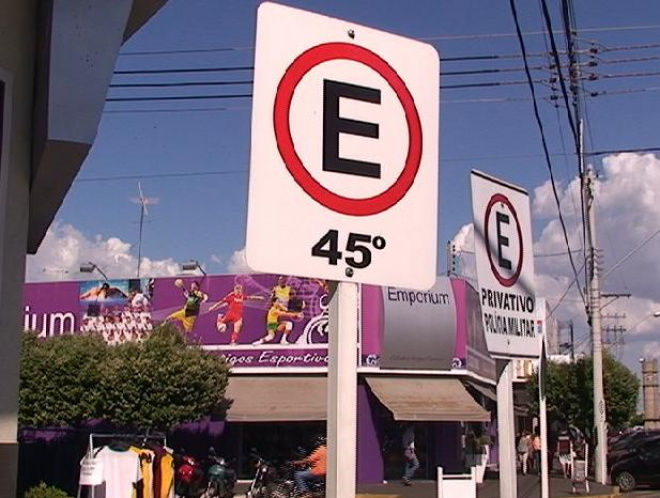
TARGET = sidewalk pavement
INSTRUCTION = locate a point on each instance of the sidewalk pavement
(529, 486)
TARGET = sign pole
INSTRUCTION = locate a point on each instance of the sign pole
(342, 391)
(506, 430)
(543, 420)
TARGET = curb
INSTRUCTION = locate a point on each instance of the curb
(370, 495)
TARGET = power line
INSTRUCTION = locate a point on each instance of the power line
(427, 38)
(555, 54)
(546, 152)
(158, 175)
(180, 84)
(622, 151)
(551, 99)
(217, 69)
(179, 97)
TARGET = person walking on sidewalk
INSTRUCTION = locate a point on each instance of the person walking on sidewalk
(523, 451)
(536, 447)
(409, 454)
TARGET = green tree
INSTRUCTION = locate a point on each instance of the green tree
(569, 388)
(154, 384)
(163, 382)
(59, 380)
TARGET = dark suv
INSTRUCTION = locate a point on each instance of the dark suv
(638, 465)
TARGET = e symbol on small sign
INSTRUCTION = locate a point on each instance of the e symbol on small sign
(504, 211)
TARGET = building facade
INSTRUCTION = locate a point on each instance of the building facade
(422, 360)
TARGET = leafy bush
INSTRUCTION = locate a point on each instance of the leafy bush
(45, 491)
(154, 384)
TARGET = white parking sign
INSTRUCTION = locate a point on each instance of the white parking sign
(505, 266)
(344, 153)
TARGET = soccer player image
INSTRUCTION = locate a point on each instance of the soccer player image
(234, 302)
(190, 311)
(282, 292)
(273, 324)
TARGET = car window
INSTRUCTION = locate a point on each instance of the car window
(651, 449)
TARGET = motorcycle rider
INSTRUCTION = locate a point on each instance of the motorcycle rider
(317, 465)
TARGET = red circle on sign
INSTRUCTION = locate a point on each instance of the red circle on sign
(285, 90)
(506, 282)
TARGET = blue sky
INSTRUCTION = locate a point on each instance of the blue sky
(201, 210)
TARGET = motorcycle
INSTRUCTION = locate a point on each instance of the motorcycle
(189, 477)
(286, 487)
(191, 481)
(264, 479)
(220, 479)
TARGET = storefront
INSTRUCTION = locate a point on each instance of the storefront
(422, 361)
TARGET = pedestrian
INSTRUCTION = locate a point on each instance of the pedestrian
(523, 451)
(565, 452)
(536, 447)
(409, 454)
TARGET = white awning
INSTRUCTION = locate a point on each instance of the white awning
(278, 398)
(427, 398)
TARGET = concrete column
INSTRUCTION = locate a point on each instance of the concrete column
(17, 29)
(650, 394)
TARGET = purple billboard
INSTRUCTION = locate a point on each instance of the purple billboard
(270, 321)
(254, 320)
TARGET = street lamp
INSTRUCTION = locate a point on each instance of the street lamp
(89, 267)
(192, 265)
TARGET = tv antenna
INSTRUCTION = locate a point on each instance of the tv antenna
(144, 211)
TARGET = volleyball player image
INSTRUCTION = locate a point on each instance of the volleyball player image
(234, 315)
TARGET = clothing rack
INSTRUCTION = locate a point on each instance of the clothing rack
(144, 437)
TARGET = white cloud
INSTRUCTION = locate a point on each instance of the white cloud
(238, 264)
(216, 259)
(64, 248)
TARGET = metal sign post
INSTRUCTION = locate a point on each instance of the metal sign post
(506, 435)
(342, 391)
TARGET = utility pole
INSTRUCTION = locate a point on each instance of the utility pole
(596, 331)
(588, 180)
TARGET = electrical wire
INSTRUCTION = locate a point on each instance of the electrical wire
(158, 175)
(546, 152)
(622, 151)
(555, 54)
(563, 296)
(179, 97)
(551, 99)
(568, 18)
(428, 38)
(180, 84)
